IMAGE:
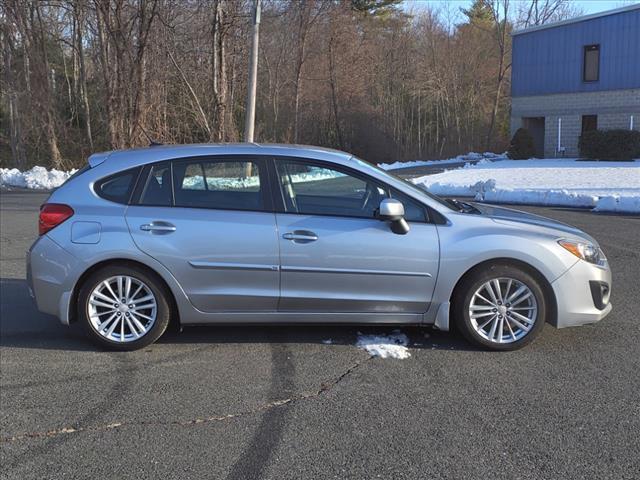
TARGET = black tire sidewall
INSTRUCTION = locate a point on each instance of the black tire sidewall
(479, 277)
(163, 310)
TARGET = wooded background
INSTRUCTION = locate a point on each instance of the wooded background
(374, 77)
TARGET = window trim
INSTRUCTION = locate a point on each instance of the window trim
(280, 205)
(259, 160)
(97, 185)
(585, 49)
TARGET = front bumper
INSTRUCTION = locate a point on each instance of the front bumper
(578, 301)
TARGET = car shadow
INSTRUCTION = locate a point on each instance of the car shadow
(23, 326)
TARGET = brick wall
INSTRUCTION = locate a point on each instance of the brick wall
(613, 108)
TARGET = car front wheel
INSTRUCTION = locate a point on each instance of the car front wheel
(123, 307)
(501, 307)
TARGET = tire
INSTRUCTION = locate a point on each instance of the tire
(135, 323)
(497, 307)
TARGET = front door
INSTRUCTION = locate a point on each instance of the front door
(217, 237)
(336, 257)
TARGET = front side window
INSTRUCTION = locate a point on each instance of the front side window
(413, 211)
(591, 68)
(117, 188)
(319, 190)
(218, 184)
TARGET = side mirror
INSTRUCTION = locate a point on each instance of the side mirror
(392, 210)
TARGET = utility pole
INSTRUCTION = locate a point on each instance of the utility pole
(253, 74)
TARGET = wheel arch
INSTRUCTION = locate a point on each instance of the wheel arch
(552, 307)
(175, 312)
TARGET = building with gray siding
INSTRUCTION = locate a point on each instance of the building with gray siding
(576, 75)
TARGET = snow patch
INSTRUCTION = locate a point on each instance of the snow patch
(38, 178)
(385, 346)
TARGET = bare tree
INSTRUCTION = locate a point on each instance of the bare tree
(10, 89)
(362, 75)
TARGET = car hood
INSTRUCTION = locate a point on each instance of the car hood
(509, 215)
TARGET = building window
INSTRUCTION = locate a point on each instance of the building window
(589, 123)
(591, 67)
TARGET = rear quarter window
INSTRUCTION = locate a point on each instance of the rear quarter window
(118, 187)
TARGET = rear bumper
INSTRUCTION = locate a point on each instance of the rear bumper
(51, 274)
(582, 295)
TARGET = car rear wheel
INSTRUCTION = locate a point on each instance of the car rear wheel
(123, 307)
(501, 307)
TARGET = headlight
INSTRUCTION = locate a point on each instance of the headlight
(583, 250)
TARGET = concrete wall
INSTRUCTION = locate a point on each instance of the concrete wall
(613, 108)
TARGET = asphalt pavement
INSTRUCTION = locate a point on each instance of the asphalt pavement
(278, 403)
(410, 172)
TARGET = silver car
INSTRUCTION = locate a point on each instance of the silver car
(231, 234)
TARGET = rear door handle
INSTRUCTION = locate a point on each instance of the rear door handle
(300, 236)
(158, 227)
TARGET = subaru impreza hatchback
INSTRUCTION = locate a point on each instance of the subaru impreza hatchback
(232, 234)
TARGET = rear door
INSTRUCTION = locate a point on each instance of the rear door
(210, 222)
(336, 257)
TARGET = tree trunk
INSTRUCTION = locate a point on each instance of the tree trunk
(219, 73)
(15, 130)
(334, 95)
(82, 87)
(46, 103)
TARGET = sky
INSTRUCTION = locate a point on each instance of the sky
(588, 6)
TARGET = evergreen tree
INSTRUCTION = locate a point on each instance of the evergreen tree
(479, 13)
(376, 8)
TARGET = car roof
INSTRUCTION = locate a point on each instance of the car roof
(141, 156)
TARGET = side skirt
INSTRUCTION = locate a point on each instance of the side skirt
(303, 317)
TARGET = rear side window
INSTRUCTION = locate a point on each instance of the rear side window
(218, 184)
(157, 187)
(118, 188)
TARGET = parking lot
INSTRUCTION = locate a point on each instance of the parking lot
(279, 402)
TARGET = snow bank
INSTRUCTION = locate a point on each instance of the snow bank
(38, 178)
(616, 203)
(559, 198)
(385, 346)
(603, 186)
(471, 156)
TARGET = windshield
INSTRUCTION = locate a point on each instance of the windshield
(412, 186)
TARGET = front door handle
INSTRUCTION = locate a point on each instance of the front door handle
(158, 227)
(300, 236)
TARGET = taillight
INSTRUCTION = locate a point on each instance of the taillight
(52, 215)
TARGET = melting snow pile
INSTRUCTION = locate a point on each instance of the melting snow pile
(603, 186)
(38, 178)
(469, 157)
(385, 346)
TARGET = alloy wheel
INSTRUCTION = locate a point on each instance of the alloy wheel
(503, 310)
(122, 308)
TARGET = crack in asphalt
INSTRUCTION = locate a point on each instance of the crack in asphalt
(324, 387)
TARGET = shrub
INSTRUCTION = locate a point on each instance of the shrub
(521, 147)
(610, 144)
